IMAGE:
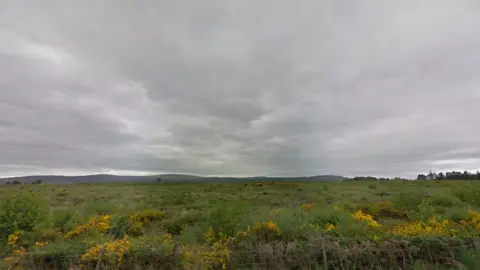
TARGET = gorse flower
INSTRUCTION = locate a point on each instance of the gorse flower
(210, 235)
(265, 226)
(95, 224)
(472, 220)
(41, 244)
(360, 216)
(419, 228)
(200, 257)
(13, 238)
(112, 252)
(242, 234)
(329, 227)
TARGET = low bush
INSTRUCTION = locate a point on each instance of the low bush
(20, 212)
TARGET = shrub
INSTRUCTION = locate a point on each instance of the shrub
(148, 215)
(120, 226)
(99, 224)
(443, 201)
(49, 235)
(185, 218)
(457, 214)
(20, 212)
(191, 235)
(423, 211)
(407, 200)
(112, 253)
(62, 219)
(139, 221)
(227, 218)
(56, 255)
(265, 230)
(468, 195)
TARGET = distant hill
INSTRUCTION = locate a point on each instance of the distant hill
(166, 178)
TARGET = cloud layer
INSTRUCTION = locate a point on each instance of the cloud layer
(239, 87)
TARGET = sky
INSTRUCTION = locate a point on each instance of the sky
(240, 88)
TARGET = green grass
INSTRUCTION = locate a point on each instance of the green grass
(188, 210)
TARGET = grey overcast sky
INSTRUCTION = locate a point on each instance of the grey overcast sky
(274, 87)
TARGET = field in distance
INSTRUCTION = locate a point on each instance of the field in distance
(261, 225)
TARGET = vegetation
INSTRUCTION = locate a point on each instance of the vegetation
(269, 225)
(453, 175)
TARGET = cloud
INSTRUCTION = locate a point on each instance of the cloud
(238, 88)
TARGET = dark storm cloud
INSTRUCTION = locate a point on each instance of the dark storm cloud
(239, 88)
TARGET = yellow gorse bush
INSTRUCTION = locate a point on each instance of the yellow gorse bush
(95, 224)
(360, 216)
(218, 253)
(419, 228)
(329, 227)
(265, 226)
(113, 252)
(41, 244)
(472, 220)
(13, 238)
(210, 235)
(201, 257)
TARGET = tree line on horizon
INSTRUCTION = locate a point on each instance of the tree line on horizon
(453, 175)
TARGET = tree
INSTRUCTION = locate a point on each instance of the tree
(421, 177)
(430, 176)
(441, 176)
(37, 182)
(159, 180)
(466, 175)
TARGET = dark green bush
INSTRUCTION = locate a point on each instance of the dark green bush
(227, 218)
(20, 212)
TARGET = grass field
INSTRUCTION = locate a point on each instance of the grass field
(273, 225)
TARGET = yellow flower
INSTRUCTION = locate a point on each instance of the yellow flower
(13, 238)
(329, 227)
(210, 235)
(418, 228)
(242, 234)
(201, 257)
(113, 252)
(263, 227)
(360, 216)
(41, 244)
(98, 224)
